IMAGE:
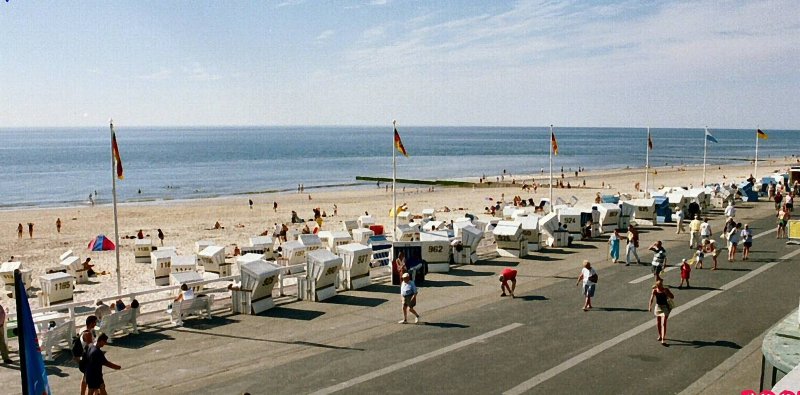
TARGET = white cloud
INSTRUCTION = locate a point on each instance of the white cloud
(159, 75)
(378, 2)
(325, 35)
(289, 3)
(196, 72)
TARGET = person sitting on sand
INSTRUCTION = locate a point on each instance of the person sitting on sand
(139, 234)
(90, 269)
(217, 226)
(306, 230)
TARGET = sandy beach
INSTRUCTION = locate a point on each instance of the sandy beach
(185, 222)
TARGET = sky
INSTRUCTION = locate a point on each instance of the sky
(725, 64)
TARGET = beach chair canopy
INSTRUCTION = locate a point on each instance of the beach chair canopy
(101, 243)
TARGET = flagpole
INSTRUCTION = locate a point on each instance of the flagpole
(705, 149)
(755, 170)
(394, 182)
(550, 143)
(646, 161)
(114, 198)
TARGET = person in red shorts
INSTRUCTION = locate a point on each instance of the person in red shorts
(505, 276)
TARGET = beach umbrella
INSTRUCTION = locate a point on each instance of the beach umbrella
(101, 243)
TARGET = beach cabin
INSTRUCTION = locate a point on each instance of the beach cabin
(626, 212)
(200, 245)
(508, 212)
(322, 270)
(701, 198)
(610, 199)
(404, 217)
(550, 233)
(7, 273)
(435, 235)
(509, 239)
(212, 258)
(311, 241)
(434, 225)
(191, 279)
(530, 230)
(609, 216)
(349, 225)
(66, 255)
(161, 261)
(263, 245)
(794, 176)
(413, 261)
(186, 263)
(381, 250)
(362, 235)
(247, 258)
(428, 214)
(748, 194)
(406, 233)
(663, 209)
(645, 211)
(365, 221)
(436, 253)
(56, 288)
(258, 280)
(141, 250)
(571, 218)
(334, 239)
(72, 265)
(677, 199)
(354, 273)
(465, 253)
(294, 252)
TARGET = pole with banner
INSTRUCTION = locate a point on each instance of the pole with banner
(116, 172)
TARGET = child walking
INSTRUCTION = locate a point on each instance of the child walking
(686, 271)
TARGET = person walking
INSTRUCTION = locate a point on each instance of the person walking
(3, 347)
(275, 206)
(613, 246)
(734, 237)
(679, 215)
(710, 248)
(633, 244)
(95, 360)
(161, 236)
(20, 229)
(705, 230)
(747, 241)
(250, 202)
(694, 229)
(58, 225)
(700, 254)
(663, 297)
(507, 275)
(87, 339)
(730, 210)
(408, 292)
(783, 219)
(659, 259)
(686, 271)
(30, 229)
(589, 278)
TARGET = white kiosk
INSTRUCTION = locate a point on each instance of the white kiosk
(510, 243)
(183, 264)
(141, 250)
(437, 254)
(609, 216)
(322, 270)
(355, 265)
(258, 280)
(362, 235)
(213, 260)
(470, 238)
(294, 252)
(311, 241)
(56, 288)
(161, 260)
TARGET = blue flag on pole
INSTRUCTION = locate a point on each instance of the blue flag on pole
(34, 376)
(709, 137)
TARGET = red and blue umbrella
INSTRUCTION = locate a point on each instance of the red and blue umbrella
(101, 243)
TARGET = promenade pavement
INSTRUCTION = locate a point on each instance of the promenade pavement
(473, 341)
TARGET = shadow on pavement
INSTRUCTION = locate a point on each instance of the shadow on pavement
(557, 251)
(143, 339)
(702, 343)
(734, 270)
(697, 288)
(381, 288)
(291, 314)
(447, 283)
(541, 258)
(445, 325)
(468, 273)
(204, 324)
(496, 263)
(580, 246)
(618, 309)
(531, 297)
(356, 301)
(295, 342)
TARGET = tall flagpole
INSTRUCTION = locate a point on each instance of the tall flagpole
(394, 182)
(755, 170)
(550, 143)
(646, 161)
(114, 197)
(705, 149)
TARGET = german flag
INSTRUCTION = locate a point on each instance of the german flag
(761, 134)
(554, 143)
(399, 143)
(115, 152)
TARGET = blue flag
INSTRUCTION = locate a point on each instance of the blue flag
(709, 137)
(34, 376)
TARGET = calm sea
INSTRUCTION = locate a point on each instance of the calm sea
(62, 166)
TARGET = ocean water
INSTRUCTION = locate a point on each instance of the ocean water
(62, 166)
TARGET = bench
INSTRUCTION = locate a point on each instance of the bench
(200, 306)
(53, 337)
(119, 321)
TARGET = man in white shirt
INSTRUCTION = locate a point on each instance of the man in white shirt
(679, 217)
(730, 211)
(705, 229)
(694, 229)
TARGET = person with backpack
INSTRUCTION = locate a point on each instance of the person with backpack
(80, 345)
(589, 277)
(95, 360)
